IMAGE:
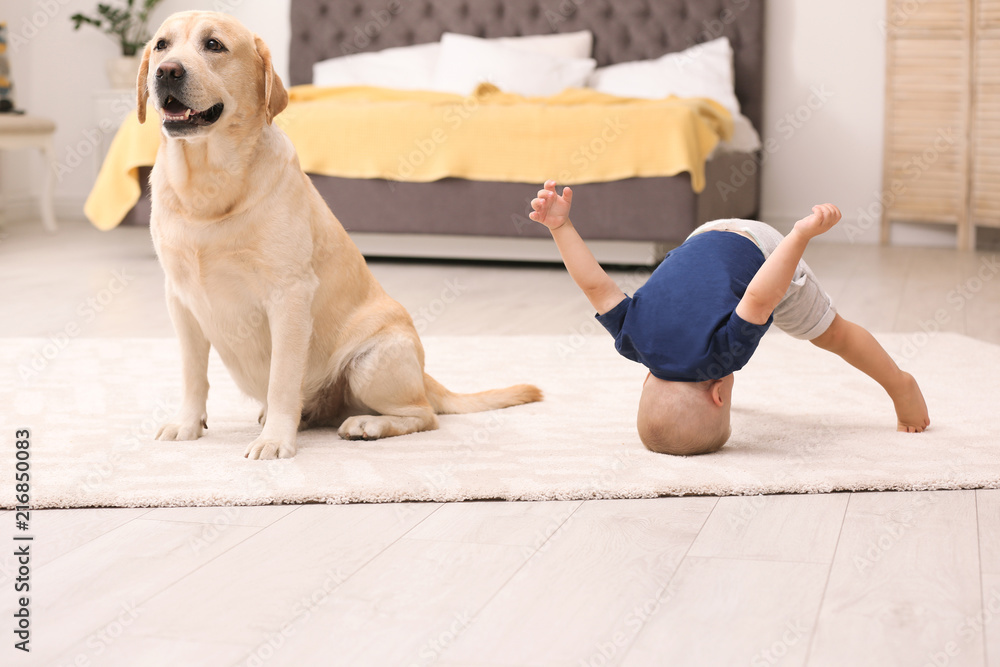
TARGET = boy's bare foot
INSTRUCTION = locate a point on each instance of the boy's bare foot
(911, 409)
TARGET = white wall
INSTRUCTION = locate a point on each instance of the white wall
(824, 108)
(824, 99)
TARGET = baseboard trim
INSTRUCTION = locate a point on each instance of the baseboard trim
(852, 230)
(498, 248)
(24, 207)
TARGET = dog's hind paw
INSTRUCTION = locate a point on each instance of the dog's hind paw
(270, 448)
(361, 428)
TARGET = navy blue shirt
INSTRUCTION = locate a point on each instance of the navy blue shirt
(682, 323)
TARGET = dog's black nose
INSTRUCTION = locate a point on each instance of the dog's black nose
(171, 69)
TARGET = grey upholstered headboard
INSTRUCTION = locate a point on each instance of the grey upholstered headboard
(623, 30)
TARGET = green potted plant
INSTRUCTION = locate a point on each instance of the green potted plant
(128, 25)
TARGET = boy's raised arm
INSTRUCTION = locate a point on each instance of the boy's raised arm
(552, 210)
(769, 285)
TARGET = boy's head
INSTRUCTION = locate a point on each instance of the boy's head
(685, 418)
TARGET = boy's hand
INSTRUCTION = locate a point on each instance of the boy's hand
(550, 209)
(823, 218)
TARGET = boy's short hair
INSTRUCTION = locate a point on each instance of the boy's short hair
(677, 418)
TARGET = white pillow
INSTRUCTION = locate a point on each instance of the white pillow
(467, 61)
(565, 44)
(405, 67)
(704, 70)
(412, 67)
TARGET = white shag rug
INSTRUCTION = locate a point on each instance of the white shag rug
(803, 421)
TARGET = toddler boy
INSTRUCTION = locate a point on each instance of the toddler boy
(699, 318)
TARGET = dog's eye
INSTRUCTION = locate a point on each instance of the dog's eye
(214, 45)
(161, 44)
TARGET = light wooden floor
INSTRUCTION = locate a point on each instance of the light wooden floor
(840, 579)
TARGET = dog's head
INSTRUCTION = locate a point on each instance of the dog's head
(205, 70)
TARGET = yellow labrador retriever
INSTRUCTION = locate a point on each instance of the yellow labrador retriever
(257, 265)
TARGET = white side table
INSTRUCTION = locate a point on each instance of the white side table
(21, 131)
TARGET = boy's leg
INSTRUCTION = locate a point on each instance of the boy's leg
(855, 345)
(807, 312)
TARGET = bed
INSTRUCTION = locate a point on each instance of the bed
(631, 220)
(626, 221)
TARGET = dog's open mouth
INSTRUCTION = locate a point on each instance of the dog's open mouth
(175, 113)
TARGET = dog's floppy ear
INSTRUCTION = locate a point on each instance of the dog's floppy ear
(275, 96)
(142, 91)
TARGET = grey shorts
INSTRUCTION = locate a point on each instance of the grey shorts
(806, 311)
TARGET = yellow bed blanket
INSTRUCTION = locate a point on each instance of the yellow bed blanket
(577, 136)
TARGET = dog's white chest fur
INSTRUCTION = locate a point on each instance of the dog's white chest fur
(228, 297)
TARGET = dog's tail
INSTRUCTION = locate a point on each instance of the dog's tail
(445, 401)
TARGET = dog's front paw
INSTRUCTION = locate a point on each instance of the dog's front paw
(270, 448)
(362, 427)
(190, 430)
